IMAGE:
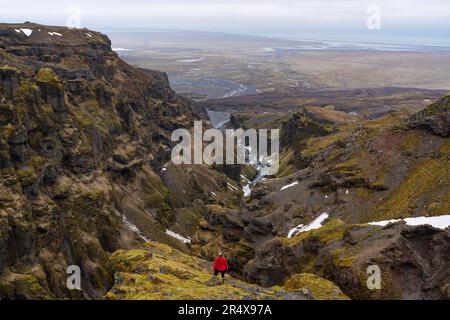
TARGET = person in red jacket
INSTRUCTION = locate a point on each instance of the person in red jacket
(220, 265)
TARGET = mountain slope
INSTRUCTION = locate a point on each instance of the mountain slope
(82, 138)
(160, 272)
(352, 171)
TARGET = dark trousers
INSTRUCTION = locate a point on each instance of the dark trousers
(216, 272)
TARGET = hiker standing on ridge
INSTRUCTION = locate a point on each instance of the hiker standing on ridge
(220, 265)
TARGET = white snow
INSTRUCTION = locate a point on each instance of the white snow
(163, 169)
(289, 185)
(247, 190)
(120, 49)
(315, 224)
(221, 124)
(55, 34)
(267, 50)
(89, 35)
(346, 191)
(133, 228)
(17, 30)
(231, 187)
(28, 32)
(440, 222)
(177, 236)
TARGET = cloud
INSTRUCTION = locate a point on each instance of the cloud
(235, 15)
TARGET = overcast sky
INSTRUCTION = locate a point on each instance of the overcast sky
(402, 20)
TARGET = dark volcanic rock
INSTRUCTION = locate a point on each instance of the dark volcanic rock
(436, 117)
(79, 133)
(414, 261)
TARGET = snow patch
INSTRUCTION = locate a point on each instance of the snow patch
(17, 30)
(231, 187)
(221, 124)
(440, 222)
(120, 49)
(247, 190)
(178, 237)
(315, 224)
(55, 34)
(89, 35)
(133, 228)
(267, 50)
(27, 32)
(289, 185)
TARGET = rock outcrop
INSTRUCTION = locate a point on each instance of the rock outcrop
(436, 117)
(414, 261)
(160, 272)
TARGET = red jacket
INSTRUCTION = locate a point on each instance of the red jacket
(220, 264)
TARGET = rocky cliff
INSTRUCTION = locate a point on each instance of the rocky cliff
(83, 137)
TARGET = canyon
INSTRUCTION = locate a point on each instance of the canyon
(87, 179)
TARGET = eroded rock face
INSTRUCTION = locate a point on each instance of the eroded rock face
(435, 117)
(81, 133)
(414, 261)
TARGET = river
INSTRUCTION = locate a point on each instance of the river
(218, 120)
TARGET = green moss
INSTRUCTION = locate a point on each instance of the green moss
(83, 117)
(26, 89)
(90, 106)
(320, 288)
(38, 162)
(47, 75)
(429, 175)
(25, 172)
(86, 144)
(249, 172)
(7, 68)
(286, 168)
(25, 286)
(216, 209)
(5, 55)
(160, 272)
(315, 145)
(47, 109)
(7, 171)
(445, 147)
(412, 140)
(342, 258)
(8, 131)
(331, 231)
(347, 168)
